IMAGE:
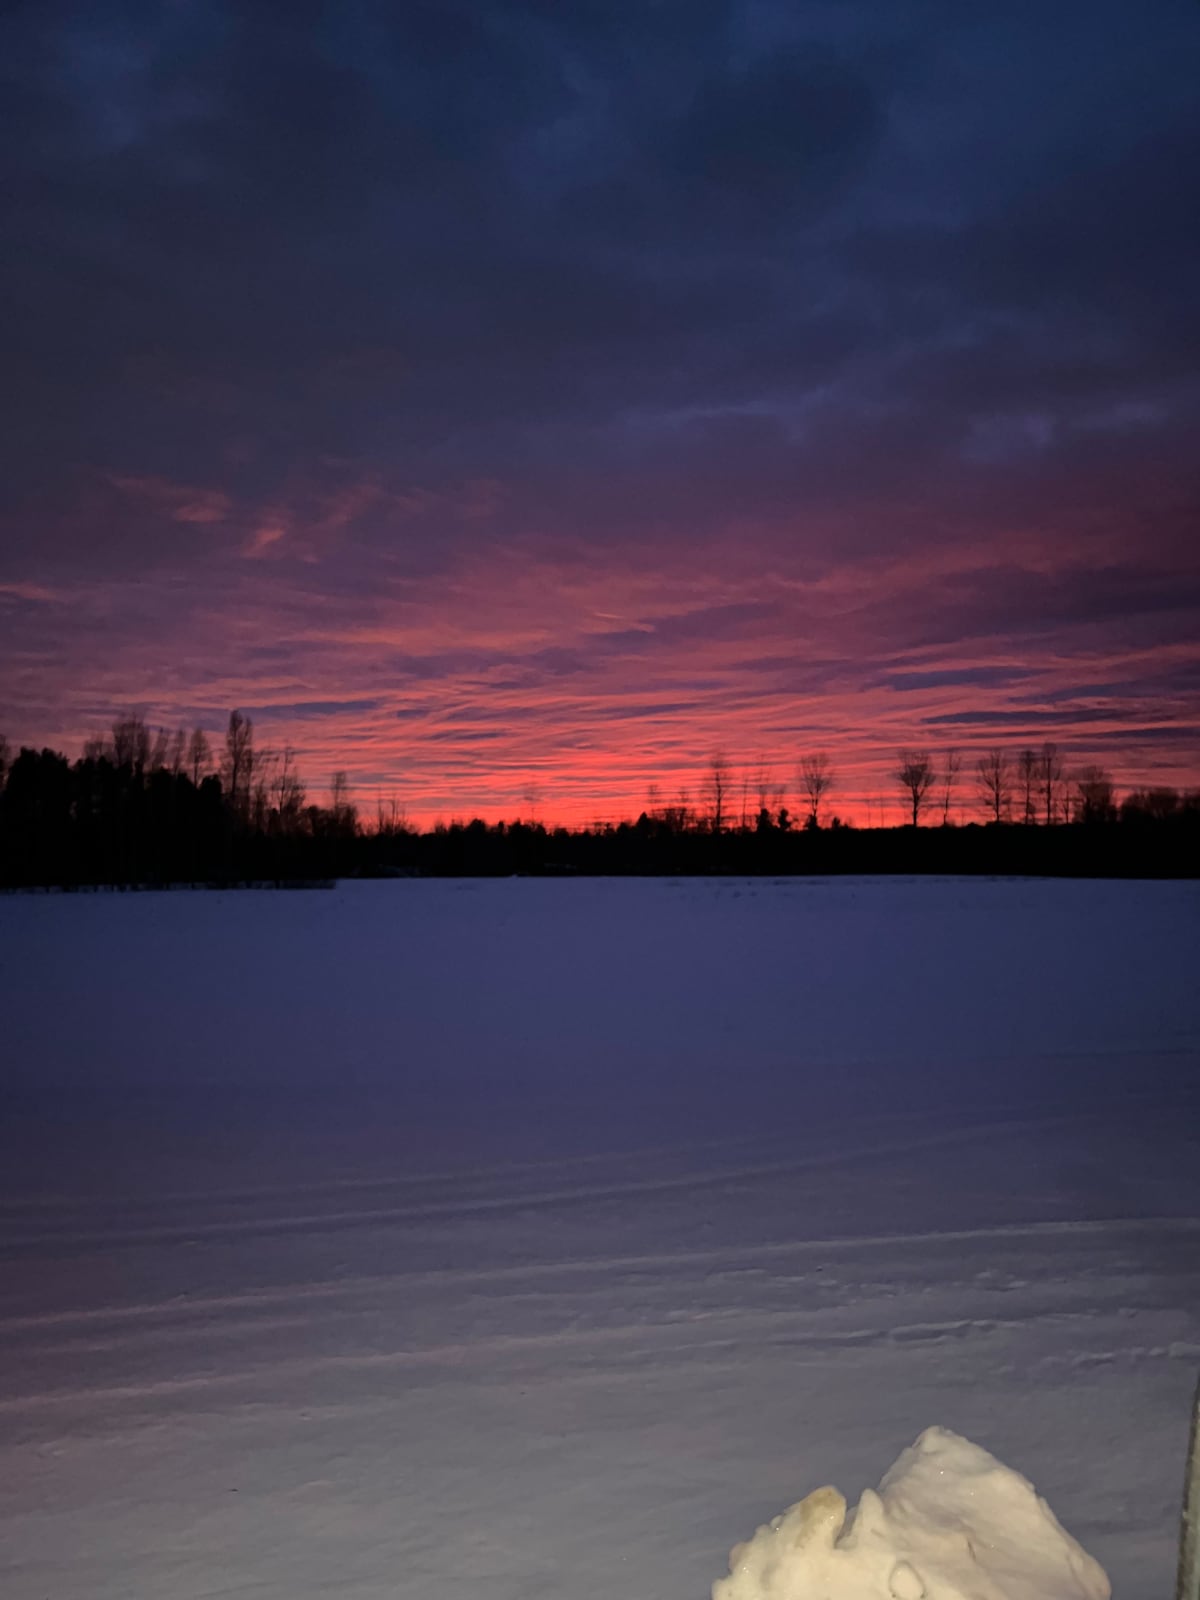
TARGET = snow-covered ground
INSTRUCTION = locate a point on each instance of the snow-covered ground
(544, 1238)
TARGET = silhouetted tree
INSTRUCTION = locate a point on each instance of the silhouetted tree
(816, 780)
(131, 743)
(237, 765)
(951, 766)
(160, 751)
(37, 801)
(993, 774)
(144, 821)
(342, 813)
(680, 816)
(1027, 777)
(716, 790)
(1050, 780)
(390, 818)
(1151, 805)
(199, 756)
(768, 792)
(744, 814)
(261, 790)
(915, 775)
(288, 793)
(177, 752)
(1094, 796)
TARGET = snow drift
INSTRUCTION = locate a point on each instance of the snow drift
(949, 1522)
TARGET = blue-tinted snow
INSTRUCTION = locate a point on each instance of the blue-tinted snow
(537, 1238)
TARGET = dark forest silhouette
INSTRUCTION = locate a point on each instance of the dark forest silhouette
(153, 809)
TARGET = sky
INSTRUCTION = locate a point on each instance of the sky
(511, 402)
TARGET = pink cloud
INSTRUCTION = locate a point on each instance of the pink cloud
(180, 502)
(591, 681)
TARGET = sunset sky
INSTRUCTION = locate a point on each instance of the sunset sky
(512, 401)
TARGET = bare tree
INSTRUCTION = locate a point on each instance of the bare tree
(680, 817)
(993, 774)
(199, 756)
(177, 753)
(816, 780)
(130, 743)
(1095, 799)
(288, 792)
(160, 750)
(390, 817)
(5, 760)
(1027, 776)
(1151, 805)
(915, 775)
(951, 767)
(1050, 778)
(237, 764)
(262, 787)
(716, 790)
(768, 792)
(341, 809)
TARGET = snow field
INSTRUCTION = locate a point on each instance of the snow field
(544, 1239)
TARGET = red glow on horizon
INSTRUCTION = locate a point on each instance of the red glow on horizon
(562, 690)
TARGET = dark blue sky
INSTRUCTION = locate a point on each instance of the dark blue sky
(491, 396)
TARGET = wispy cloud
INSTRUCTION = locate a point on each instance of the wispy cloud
(559, 395)
(598, 681)
(179, 502)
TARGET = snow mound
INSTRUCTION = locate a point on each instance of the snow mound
(949, 1522)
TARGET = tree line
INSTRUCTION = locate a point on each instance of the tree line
(145, 807)
(166, 807)
(1028, 787)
